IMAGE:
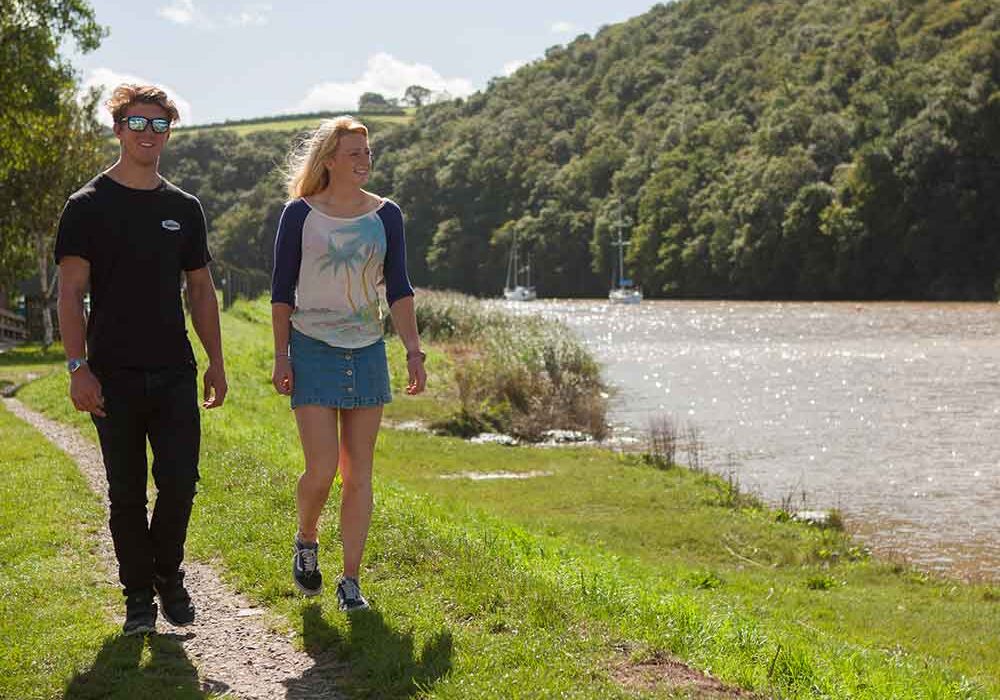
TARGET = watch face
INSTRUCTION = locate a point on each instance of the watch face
(74, 365)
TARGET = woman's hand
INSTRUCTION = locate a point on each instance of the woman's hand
(281, 377)
(417, 373)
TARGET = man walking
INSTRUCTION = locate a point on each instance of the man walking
(129, 236)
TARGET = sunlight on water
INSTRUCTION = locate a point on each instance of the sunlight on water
(889, 411)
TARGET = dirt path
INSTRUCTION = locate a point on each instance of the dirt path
(230, 643)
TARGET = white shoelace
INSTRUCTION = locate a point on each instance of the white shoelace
(308, 559)
(351, 589)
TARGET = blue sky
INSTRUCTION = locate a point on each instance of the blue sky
(238, 59)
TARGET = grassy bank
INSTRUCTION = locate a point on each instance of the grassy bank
(561, 584)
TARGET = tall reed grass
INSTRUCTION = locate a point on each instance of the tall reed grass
(515, 374)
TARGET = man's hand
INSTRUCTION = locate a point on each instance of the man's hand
(85, 392)
(215, 387)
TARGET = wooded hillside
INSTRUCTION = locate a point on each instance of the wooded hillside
(825, 149)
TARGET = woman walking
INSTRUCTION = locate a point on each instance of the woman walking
(336, 242)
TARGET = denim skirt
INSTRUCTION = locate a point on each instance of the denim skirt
(324, 375)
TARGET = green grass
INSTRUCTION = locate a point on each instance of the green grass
(538, 587)
(58, 610)
(28, 362)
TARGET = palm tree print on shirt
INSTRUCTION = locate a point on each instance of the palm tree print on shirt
(346, 254)
(372, 238)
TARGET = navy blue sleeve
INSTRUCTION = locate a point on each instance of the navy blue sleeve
(397, 281)
(288, 252)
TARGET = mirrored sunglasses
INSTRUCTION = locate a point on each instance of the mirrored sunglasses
(159, 124)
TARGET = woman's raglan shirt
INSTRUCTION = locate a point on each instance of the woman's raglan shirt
(328, 268)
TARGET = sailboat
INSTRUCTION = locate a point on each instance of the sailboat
(624, 291)
(512, 290)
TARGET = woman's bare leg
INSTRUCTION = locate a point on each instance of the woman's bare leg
(318, 433)
(359, 428)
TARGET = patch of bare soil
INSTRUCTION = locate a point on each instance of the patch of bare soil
(662, 673)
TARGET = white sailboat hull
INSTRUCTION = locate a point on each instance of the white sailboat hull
(625, 296)
(519, 293)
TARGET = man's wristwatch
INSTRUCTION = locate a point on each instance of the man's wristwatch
(75, 364)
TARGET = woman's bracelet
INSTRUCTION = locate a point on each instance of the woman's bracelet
(416, 354)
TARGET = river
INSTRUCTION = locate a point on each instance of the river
(888, 411)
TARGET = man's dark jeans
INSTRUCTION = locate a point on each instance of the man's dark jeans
(161, 404)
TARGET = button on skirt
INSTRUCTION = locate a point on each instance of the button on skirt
(324, 375)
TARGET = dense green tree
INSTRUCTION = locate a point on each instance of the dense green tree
(416, 95)
(36, 84)
(67, 151)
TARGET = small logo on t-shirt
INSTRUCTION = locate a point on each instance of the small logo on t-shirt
(170, 225)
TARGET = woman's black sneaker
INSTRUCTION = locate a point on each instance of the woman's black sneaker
(140, 613)
(175, 602)
(349, 595)
(305, 568)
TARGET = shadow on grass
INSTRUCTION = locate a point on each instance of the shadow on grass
(119, 672)
(372, 661)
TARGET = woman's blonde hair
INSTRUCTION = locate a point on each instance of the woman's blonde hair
(306, 169)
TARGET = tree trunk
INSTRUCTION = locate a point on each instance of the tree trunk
(46, 287)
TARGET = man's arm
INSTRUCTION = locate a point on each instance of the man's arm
(74, 279)
(205, 317)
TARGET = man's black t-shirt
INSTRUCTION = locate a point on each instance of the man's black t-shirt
(137, 242)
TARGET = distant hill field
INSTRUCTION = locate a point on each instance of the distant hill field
(295, 123)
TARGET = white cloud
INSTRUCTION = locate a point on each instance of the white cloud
(385, 75)
(510, 67)
(255, 14)
(563, 27)
(107, 80)
(181, 12)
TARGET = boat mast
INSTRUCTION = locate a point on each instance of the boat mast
(621, 247)
(512, 264)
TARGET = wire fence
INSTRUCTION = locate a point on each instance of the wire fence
(239, 283)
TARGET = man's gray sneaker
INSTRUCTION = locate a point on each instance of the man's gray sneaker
(349, 595)
(175, 603)
(305, 568)
(140, 613)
